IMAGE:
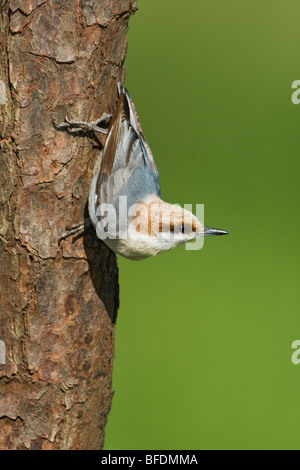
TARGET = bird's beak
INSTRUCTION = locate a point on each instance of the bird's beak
(214, 231)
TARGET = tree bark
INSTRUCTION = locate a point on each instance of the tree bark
(57, 302)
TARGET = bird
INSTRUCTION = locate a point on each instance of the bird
(125, 205)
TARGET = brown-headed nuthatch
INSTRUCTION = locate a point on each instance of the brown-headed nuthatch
(125, 206)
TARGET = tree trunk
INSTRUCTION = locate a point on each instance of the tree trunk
(57, 303)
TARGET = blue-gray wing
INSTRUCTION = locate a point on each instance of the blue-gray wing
(127, 168)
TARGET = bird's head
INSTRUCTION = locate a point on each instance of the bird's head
(163, 226)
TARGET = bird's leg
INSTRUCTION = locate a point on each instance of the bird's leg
(82, 126)
(76, 230)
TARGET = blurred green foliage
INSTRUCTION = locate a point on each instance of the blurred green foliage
(203, 338)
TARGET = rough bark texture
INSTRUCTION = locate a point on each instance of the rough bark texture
(56, 302)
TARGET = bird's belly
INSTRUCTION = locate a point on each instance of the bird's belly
(134, 249)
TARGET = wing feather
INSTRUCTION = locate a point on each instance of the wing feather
(128, 166)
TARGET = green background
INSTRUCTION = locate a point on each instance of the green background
(203, 338)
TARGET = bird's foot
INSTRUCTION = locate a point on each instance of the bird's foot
(76, 230)
(82, 126)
